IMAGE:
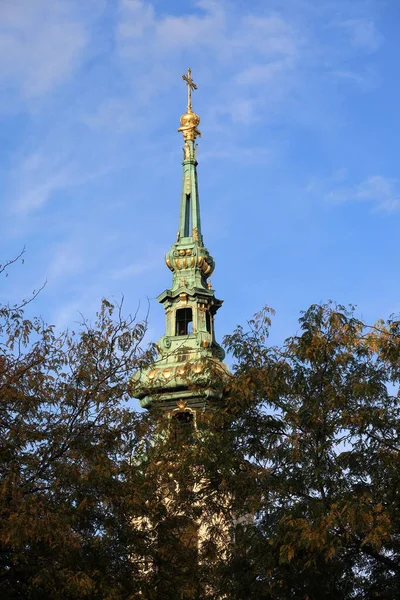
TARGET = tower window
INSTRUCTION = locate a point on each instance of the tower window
(188, 215)
(184, 321)
(208, 321)
(183, 427)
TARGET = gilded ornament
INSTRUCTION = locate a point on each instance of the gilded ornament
(167, 373)
(186, 151)
(189, 121)
(182, 404)
(195, 234)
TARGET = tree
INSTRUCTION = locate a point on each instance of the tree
(290, 489)
(319, 417)
(67, 473)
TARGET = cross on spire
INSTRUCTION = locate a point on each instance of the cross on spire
(190, 85)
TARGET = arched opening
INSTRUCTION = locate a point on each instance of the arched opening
(184, 321)
(183, 427)
(208, 321)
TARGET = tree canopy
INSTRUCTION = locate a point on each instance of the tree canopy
(295, 478)
(319, 416)
(67, 438)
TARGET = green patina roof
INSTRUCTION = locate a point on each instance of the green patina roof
(189, 366)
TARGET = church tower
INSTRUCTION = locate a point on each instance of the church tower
(188, 374)
(187, 384)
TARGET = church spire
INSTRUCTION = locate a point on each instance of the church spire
(189, 240)
(189, 221)
(180, 374)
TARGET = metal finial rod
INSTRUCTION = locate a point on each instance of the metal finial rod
(190, 85)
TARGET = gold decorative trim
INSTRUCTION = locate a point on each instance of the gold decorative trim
(189, 121)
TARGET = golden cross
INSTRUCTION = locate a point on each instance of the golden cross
(191, 86)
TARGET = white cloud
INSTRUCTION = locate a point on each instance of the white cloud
(272, 35)
(136, 18)
(254, 65)
(260, 74)
(381, 192)
(58, 162)
(218, 29)
(365, 79)
(68, 259)
(239, 154)
(69, 314)
(41, 42)
(229, 51)
(362, 32)
(36, 178)
(139, 22)
(137, 268)
(117, 114)
(255, 62)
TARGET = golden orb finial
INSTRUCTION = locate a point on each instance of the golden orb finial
(189, 121)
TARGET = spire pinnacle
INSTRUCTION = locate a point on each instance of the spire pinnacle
(190, 85)
(189, 121)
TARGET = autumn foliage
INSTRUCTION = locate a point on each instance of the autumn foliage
(306, 443)
(319, 416)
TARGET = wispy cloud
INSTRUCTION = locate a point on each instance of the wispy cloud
(381, 193)
(94, 85)
(136, 268)
(69, 258)
(365, 79)
(249, 50)
(362, 33)
(40, 44)
(260, 62)
(38, 176)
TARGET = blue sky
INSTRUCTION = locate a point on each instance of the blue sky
(298, 164)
